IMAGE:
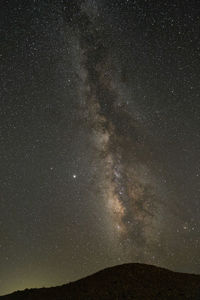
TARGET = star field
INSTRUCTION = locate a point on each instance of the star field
(99, 138)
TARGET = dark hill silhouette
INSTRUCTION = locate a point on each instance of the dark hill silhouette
(128, 281)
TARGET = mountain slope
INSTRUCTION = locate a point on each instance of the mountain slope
(128, 281)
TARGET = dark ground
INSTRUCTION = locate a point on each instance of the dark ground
(128, 281)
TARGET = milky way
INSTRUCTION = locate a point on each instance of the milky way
(127, 187)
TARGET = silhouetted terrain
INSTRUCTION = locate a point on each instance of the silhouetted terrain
(128, 281)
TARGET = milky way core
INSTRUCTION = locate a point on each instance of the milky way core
(128, 189)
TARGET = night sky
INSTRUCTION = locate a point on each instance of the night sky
(99, 138)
